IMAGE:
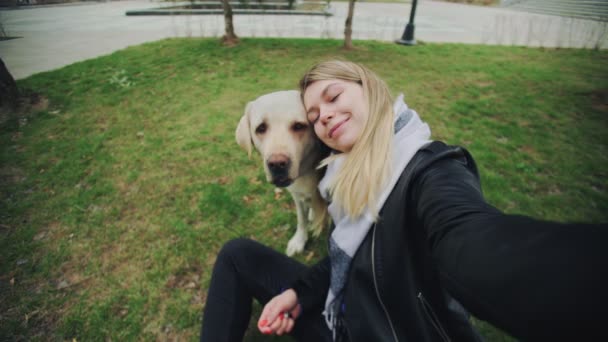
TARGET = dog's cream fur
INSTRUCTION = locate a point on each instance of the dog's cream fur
(276, 125)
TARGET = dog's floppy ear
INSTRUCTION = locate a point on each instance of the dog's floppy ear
(243, 133)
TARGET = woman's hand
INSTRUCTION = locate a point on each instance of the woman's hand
(280, 313)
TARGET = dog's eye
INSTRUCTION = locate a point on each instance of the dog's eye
(298, 126)
(261, 129)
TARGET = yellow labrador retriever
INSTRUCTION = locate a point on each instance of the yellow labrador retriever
(276, 125)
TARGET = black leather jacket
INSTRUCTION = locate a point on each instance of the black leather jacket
(437, 235)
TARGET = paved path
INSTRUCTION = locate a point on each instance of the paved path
(54, 36)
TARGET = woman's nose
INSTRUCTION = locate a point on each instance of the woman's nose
(325, 114)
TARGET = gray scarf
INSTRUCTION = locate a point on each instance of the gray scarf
(411, 134)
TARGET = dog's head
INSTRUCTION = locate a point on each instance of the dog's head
(276, 125)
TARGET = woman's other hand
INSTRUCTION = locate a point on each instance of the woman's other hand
(280, 313)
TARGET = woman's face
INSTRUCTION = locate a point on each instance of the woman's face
(337, 110)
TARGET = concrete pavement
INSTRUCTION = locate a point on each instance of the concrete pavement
(55, 36)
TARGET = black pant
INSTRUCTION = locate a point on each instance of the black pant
(244, 270)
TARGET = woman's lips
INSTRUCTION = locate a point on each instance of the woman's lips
(333, 129)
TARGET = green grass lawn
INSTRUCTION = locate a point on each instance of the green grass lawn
(117, 197)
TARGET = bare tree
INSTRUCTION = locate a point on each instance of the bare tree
(229, 37)
(3, 34)
(348, 26)
(9, 93)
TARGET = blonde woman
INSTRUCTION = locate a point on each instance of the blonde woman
(414, 242)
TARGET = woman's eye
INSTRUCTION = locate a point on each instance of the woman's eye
(312, 117)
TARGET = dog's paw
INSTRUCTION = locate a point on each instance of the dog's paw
(296, 244)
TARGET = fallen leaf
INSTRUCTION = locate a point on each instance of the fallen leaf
(39, 236)
(171, 282)
(310, 255)
(278, 193)
(197, 299)
(255, 181)
(62, 285)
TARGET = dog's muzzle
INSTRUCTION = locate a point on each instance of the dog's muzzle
(279, 166)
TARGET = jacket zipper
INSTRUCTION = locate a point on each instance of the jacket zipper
(376, 285)
(343, 323)
(341, 337)
(432, 317)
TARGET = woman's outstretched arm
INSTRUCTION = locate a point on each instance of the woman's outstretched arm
(535, 279)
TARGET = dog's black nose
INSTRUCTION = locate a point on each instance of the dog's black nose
(279, 163)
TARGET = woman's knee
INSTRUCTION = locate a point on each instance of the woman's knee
(237, 249)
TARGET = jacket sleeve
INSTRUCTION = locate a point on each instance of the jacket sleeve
(536, 280)
(312, 286)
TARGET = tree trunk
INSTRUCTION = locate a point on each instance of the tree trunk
(348, 26)
(230, 37)
(9, 94)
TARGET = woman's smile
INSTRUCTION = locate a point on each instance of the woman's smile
(334, 130)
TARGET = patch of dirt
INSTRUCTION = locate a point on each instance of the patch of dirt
(599, 99)
(11, 175)
(554, 190)
(171, 334)
(223, 180)
(27, 104)
(485, 84)
(187, 278)
(36, 322)
(529, 150)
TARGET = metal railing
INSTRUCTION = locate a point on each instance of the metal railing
(583, 9)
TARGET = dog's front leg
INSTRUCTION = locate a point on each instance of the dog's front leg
(297, 242)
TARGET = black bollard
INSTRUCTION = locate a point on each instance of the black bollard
(408, 34)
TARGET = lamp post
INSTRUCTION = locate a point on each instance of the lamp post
(408, 34)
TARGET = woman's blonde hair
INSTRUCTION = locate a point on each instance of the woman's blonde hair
(367, 166)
